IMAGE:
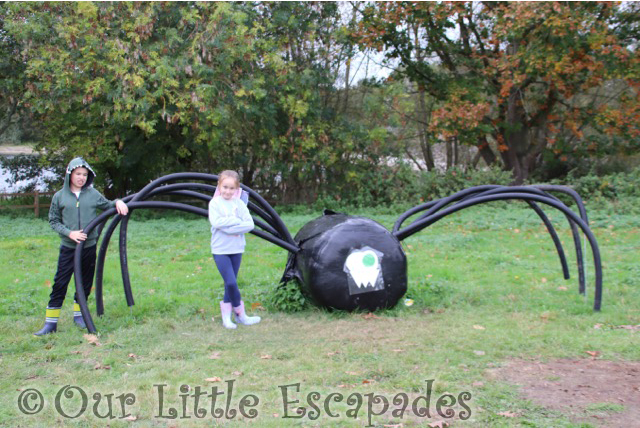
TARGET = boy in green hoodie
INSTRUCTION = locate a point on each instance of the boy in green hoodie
(72, 209)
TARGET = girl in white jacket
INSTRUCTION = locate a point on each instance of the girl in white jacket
(230, 220)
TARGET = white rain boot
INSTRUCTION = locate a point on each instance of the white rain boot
(225, 310)
(242, 317)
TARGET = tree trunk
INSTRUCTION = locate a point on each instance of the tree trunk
(425, 145)
(485, 152)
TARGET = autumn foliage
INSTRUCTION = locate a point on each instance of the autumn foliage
(529, 76)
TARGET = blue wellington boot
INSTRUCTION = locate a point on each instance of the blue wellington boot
(49, 327)
(79, 321)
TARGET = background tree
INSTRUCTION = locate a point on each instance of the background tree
(528, 76)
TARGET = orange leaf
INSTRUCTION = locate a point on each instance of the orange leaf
(92, 339)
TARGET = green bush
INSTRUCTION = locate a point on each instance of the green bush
(435, 185)
(287, 298)
(619, 185)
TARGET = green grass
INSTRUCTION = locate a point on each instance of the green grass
(486, 283)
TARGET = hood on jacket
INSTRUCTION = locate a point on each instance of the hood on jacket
(76, 163)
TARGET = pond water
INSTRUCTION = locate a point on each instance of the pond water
(7, 187)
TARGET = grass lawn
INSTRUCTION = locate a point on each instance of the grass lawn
(487, 289)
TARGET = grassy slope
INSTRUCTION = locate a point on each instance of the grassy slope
(486, 283)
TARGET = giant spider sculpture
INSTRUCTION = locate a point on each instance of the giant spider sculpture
(341, 261)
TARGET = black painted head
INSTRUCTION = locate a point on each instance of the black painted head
(348, 262)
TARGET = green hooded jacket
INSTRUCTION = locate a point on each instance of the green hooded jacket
(69, 212)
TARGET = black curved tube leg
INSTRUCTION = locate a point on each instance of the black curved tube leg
(423, 223)
(554, 237)
(102, 254)
(576, 236)
(124, 265)
(80, 297)
(582, 289)
(479, 191)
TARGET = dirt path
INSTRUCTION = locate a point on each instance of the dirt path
(602, 393)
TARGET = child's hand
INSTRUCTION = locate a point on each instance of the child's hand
(121, 207)
(77, 236)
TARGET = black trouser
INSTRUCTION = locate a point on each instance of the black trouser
(65, 270)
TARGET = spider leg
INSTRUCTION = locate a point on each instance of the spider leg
(275, 232)
(473, 192)
(543, 217)
(77, 272)
(439, 202)
(418, 226)
(574, 229)
(576, 236)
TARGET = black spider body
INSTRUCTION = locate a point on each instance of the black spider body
(340, 261)
(348, 262)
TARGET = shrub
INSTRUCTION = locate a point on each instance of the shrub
(288, 298)
(435, 185)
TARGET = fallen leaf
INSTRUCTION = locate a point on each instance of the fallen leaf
(398, 350)
(562, 288)
(438, 424)
(101, 367)
(478, 327)
(543, 280)
(132, 356)
(477, 383)
(152, 291)
(256, 305)
(594, 354)
(265, 357)
(516, 230)
(508, 414)
(213, 379)
(597, 326)
(131, 418)
(47, 283)
(478, 352)
(352, 373)
(215, 356)
(92, 339)
(370, 315)
(237, 373)
(331, 354)
(365, 381)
